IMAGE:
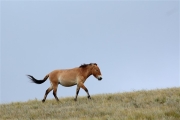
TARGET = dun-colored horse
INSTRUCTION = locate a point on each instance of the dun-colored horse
(70, 77)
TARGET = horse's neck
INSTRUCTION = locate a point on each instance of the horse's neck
(86, 72)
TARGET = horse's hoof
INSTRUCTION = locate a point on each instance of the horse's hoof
(75, 99)
(43, 100)
(89, 97)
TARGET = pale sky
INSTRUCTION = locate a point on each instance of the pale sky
(135, 44)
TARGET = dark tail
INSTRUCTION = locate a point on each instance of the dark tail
(34, 80)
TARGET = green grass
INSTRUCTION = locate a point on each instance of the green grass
(161, 104)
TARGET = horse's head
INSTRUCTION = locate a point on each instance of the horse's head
(96, 71)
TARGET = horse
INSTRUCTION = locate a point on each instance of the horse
(69, 77)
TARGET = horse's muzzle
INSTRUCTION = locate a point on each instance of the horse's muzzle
(100, 78)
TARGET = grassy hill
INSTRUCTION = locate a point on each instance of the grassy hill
(162, 104)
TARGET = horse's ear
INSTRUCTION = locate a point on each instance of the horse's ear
(95, 64)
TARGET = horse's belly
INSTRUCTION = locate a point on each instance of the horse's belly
(67, 83)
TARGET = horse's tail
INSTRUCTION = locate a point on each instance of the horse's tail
(38, 81)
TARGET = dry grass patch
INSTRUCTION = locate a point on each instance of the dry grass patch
(140, 105)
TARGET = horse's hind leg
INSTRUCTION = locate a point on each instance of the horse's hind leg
(55, 91)
(46, 93)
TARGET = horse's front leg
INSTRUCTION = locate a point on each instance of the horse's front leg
(77, 92)
(81, 85)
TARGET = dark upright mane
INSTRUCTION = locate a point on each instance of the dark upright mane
(85, 65)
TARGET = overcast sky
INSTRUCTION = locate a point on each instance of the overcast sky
(135, 44)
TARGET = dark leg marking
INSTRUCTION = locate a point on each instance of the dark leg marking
(89, 97)
(54, 93)
(46, 93)
(77, 92)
